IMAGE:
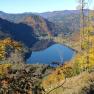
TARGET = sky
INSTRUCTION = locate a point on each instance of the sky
(19, 6)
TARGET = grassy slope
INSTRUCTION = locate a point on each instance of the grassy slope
(81, 84)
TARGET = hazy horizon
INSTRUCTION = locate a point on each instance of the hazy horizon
(39, 6)
(38, 12)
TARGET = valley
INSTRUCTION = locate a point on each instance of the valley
(47, 53)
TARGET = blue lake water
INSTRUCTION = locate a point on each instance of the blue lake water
(55, 53)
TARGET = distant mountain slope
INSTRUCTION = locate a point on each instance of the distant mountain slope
(40, 25)
(20, 32)
(67, 20)
(14, 17)
(25, 27)
(58, 13)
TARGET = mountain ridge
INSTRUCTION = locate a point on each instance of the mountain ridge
(58, 19)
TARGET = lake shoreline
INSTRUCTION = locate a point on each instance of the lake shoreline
(53, 44)
(53, 53)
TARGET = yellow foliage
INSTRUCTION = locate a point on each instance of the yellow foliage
(54, 78)
(4, 68)
(8, 44)
(86, 60)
